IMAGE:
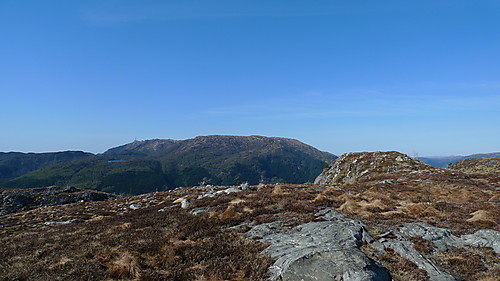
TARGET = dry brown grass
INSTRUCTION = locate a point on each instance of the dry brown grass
(470, 263)
(495, 198)
(444, 199)
(422, 245)
(123, 266)
(401, 269)
(142, 244)
(230, 213)
(111, 241)
(483, 216)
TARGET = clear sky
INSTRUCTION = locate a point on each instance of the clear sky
(415, 76)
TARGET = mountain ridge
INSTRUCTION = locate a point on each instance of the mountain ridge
(150, 165)
(15, 164)
(153, 147)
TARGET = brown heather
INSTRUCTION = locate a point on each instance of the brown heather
(161, 241)
(471, 263)
(401, 268)
(142, 244)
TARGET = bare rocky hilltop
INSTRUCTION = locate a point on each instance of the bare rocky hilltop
(371, 216)
(355, 167)
(486, 165)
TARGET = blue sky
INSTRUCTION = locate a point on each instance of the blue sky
(415, 76)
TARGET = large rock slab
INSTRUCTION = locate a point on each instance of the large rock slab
(442, 238)
(320, 250)
(406, 250)
(484, 238)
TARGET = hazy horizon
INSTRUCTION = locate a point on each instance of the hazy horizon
(416, 77)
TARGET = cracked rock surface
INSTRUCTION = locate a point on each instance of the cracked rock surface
(442, 238)
(320, 250)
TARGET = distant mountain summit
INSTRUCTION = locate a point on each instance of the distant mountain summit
(223, 144)
(149, 165)
(222, 159)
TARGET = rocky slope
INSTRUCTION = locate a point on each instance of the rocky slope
(356, 167)
(486, 165)
(154, 147)
(406, 222)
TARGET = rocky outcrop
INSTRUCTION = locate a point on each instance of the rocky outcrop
(406, 250)
(354, 167)
(441, 238)
(16, 200)
(484, 238)
(330, 249)
(320, 250)
(486, 165)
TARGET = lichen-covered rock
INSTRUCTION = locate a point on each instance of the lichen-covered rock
(322, 250)
(353, 167)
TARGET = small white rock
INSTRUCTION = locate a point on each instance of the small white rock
(185, 203)
(134, 206)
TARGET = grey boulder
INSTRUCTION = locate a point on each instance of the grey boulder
(320, 250)
(484, 238)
